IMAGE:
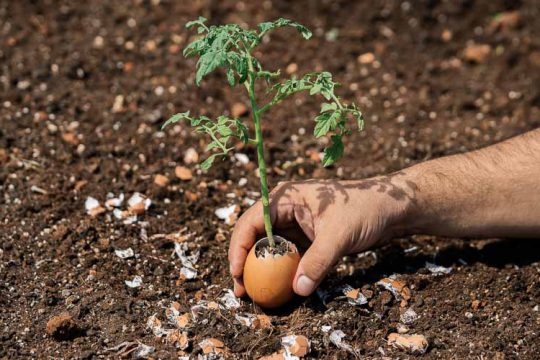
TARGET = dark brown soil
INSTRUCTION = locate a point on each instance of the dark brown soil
(63, 64)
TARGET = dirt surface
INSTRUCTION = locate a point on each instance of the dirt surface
(84, 88)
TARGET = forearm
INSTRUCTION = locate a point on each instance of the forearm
(492, 192)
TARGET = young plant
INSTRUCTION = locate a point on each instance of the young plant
(231, 47)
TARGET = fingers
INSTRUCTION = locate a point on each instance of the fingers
(251, 225)
(316, 263)
(244, 236)
(239, 289)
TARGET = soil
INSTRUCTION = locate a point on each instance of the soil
(85, 88)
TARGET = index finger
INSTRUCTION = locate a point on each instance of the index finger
(244, 236)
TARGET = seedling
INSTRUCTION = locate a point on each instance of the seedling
(231, 47)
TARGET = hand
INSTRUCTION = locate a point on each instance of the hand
(330, 218)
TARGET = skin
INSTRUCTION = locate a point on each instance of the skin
(491, 192)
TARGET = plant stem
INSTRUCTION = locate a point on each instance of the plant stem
(260, 157)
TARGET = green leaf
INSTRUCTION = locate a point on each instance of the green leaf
(207, 63)
(213, 145)
(243, 132)
(360, 121)
(230, 77)
(206, 164)
(224, 130)
(195, 47)
(315, 89)
(241, 69)
(326, 122)
(200, 21)
(267, 26)
(333, 152)
(328, 107)
(197, 121)
(175, 118)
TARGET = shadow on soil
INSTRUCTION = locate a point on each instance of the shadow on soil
(392, 259)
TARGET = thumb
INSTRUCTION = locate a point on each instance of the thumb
(318, 260)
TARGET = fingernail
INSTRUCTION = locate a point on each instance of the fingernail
(304, 285)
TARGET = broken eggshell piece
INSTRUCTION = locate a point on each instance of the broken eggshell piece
(268, 278)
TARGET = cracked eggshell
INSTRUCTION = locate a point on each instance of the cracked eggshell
(269, 280)
(414, 343)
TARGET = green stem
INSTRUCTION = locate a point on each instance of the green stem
(265, 198)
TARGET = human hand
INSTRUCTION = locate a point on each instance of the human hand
(331, 218)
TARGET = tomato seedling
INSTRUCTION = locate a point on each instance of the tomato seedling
(231, 47)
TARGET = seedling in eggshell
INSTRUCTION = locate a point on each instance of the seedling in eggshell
(231, 47)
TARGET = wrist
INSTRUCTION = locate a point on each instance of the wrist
(410, 202)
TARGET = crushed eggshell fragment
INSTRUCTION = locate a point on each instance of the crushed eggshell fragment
(336, 338)
(174, 317)
(187, 273)
(154, 324)
(212, 346)
(92, 206)
(366, 58)
(262, 322)
(280, 355)
(191, 156)
(398, 288)
(477, 53)
(254, 321)
(296, 345)
(354, 296)
(138, 204)
(161, 180)
(414, 343)
(408, 317)
(135, 283)
(188, 270)
(178, 338)
(242, 158)
(438, 269)
(229, 300)
(183, 173)
(245, 319)
(229, 214)
(126, 216)
(124, 254)
(114, 201)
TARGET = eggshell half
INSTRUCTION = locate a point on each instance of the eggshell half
(269, 280)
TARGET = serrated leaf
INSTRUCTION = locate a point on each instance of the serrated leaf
(267, 26)
(197, 121)
(195, 47)
(224, 140)
(201, 20)
(224, 130)
(241, 68)
(315, 89)
(326, 122)
(206, 164)
(243, 132)
(333, 152)
(175, 118)
(207, 63)
(230, 77)
(328, 107)
(213, 145)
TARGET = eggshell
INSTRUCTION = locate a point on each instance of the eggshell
(269, 280)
